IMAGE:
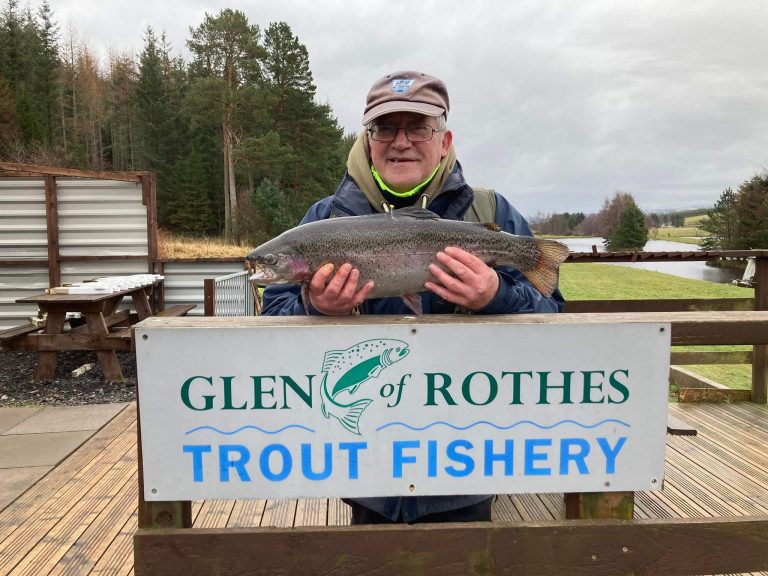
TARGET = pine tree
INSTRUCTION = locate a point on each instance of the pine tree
(155, 150)
(752, 213)
(721, 223)
(227, 50)
(190, 209)
(631, 233)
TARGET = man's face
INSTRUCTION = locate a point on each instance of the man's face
(403, 164)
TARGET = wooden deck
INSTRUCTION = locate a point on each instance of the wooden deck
(80, 518)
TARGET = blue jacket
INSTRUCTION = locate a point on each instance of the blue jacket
(515, 296)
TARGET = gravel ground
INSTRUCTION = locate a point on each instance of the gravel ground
(18, 388)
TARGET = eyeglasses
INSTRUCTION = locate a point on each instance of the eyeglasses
(414, 132)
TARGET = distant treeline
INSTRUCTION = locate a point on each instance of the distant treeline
(737, 221)
(235, 136)
(600, 223)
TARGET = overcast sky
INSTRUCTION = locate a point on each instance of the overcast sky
(555, 104)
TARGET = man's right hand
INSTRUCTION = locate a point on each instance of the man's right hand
(337, 294)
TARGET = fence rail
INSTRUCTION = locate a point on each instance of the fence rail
(231, 295)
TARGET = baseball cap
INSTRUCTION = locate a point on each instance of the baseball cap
(406, 91)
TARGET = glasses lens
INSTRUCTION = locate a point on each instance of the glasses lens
(383, 133)
(418, 132)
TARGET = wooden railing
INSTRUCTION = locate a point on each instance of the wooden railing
(598, 538)
(759, 356)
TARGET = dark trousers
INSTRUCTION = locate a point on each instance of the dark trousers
(480, 512)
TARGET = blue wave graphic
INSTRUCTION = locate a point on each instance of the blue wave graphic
(491, 424)
(249, 427)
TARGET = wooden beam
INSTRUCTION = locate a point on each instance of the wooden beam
(688, 358)
(149, 198)
(209, 296)
(671, 305)
(41, 171)
(703, 328)
(713, 395)
(52, 220)
(669, 547)
(760, 358)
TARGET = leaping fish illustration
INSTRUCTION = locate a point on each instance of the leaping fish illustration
(344, 371)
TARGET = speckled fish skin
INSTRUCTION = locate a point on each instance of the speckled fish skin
(395, 250)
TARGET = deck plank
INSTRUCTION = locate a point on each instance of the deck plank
(80, 518)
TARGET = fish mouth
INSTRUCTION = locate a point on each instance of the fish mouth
(262, 275)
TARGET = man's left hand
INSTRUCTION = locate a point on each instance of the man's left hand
(463, 279)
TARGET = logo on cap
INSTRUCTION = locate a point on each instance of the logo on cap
(401, 85)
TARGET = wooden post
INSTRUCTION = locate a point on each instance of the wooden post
(52, 218)
(176, 514)
(760, 352)
(600, 505)
(209, 296)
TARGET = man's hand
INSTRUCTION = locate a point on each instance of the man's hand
(463, 279)
(337, 294)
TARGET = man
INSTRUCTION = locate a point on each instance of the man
(405, 157)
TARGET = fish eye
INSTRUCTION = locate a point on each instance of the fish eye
(269, 259)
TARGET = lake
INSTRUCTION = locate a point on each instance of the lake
(698, 270)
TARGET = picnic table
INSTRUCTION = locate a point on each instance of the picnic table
(100, 313)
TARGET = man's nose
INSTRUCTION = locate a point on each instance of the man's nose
(401, 140)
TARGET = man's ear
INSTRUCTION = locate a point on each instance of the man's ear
(447, 141)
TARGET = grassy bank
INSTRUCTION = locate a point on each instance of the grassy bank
(606, 282)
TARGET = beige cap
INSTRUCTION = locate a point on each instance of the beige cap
(407, 91)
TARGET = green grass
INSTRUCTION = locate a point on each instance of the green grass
(604, 282)
(688, 234)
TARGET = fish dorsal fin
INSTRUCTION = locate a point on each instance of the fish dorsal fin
(414, 212)
(330, 358)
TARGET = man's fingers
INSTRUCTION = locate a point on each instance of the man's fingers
(321, 278)
(471, 261)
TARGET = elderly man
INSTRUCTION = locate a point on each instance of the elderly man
(405, 157)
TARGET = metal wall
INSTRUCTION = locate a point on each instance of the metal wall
(184, 281)
(101, 218)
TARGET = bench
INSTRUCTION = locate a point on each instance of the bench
(17, 331)
(170, 312)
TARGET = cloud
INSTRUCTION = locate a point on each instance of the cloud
(555, 104)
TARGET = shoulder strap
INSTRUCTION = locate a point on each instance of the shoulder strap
(483, 208)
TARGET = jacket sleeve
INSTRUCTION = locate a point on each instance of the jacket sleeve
(285, 299)
(516, 295)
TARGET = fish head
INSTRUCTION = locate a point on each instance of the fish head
(394, 352)
(271, 266)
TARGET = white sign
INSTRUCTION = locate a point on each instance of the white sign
(401, 409)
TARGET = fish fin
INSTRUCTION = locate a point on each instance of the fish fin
(330, 359)
(413, 301)
(414, 212)
(376, 371)
(305, 296)
(492, 226)
(351, 418)
(544, 275)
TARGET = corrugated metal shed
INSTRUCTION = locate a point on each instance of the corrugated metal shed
(184, 280)
(59, 226)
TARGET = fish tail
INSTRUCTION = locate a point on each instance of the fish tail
(351, 418)
(544, 275)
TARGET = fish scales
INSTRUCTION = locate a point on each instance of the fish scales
(395, 250)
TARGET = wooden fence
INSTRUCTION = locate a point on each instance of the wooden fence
(600, 536)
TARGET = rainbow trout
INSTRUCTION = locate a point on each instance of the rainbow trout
(394, 250)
